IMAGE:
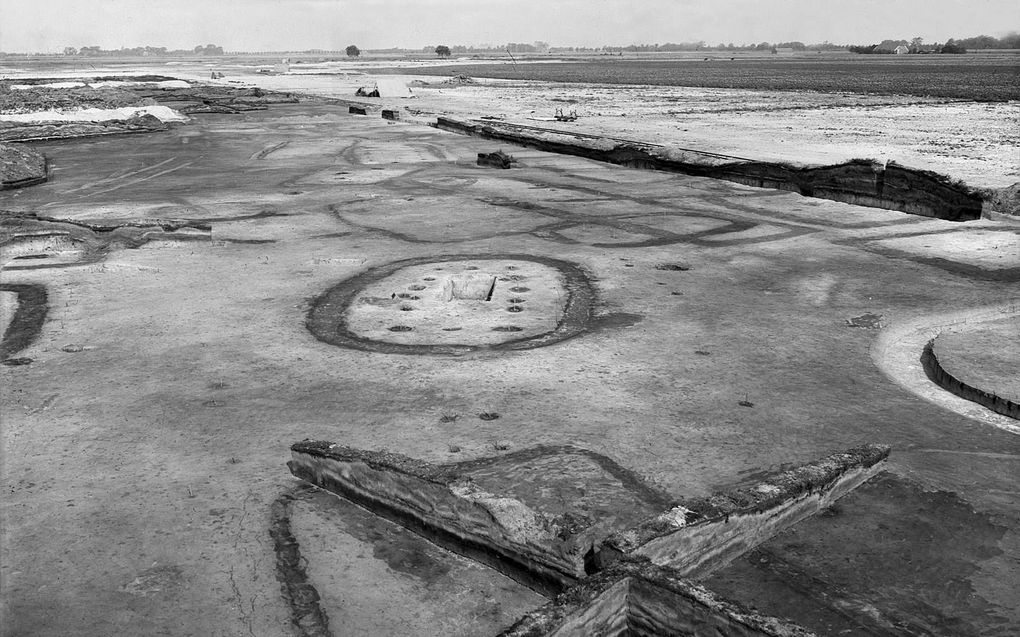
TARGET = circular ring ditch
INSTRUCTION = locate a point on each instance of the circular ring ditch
(327, 317)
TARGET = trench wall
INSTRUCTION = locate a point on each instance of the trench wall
(941, 376)
(641, 599)
(700, 537)
(858, 182)
(500, 532)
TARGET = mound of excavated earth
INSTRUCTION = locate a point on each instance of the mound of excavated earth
(20, 166)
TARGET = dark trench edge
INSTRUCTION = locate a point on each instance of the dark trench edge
(938, 374)
(28, 319)
(307, 616)
(325, 319)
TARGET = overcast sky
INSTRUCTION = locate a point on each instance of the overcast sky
(260, 25)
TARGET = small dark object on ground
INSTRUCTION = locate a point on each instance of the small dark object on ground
(486, 415)
(501, 445)
(356, 110)
(361, 92)
(14, 362)
(867, 321)
(673, 267)
(390, 114)
(498, 159)
(746, 403)
(449, 418)
(454, 449)
(701, 352)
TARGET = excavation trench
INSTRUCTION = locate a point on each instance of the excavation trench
(491, 510)
(858, 182)
(616, 555)
(939, 374)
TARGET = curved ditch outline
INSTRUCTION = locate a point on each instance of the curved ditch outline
(897, 352)
(28, 319)
(944, 379)
(327, 317)
(307, 616)
(409, 238)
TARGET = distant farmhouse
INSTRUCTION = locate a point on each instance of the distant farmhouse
(901, 49)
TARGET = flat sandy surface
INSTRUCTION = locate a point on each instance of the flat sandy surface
(984, 248)
(985, 356)
(144, 444)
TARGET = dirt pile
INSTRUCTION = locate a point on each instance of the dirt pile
(498, 159)
(20, 167)
(456, 80)
(229, 95)
(1006, 200)
(16, 131)
(45, 99)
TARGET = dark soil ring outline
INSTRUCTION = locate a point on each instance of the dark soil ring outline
(327, 319)
(28, 319)
(940, 376)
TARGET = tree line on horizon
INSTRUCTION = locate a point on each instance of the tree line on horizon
(916, 45)
(953, 45)
(143, 51)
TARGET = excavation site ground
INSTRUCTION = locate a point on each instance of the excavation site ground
(303, 371)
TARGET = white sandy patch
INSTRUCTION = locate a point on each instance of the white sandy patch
(26, 87)
(8, 306)
(119, 83)
(163, 113)
(161, 84)
(982, 248)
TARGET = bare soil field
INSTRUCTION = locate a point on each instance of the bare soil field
(182, 305)
(958, 77)
(972, 141)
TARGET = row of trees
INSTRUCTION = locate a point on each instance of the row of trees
(1009, 41)
(95, 51)
(917, 45)
(442, 51)
(700, 45)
